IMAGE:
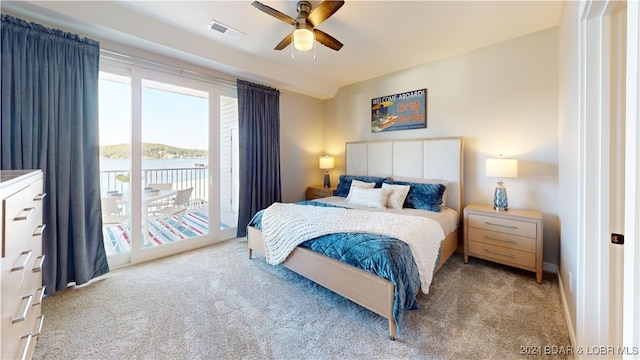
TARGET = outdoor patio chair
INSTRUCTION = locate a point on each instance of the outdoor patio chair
(174, 210)
(164, 202)
(111, 215)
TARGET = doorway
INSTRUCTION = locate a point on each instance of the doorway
(160, 137)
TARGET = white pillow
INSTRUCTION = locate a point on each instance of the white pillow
(427, 181)
(359, 184)
(375, 198)
(397, 194)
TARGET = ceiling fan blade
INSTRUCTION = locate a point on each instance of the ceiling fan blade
(327, 40)
(285, 42)
(273, 12)
(323, 11)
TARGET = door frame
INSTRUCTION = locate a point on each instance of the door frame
(606, 304)
(215, 234)
(631, 312)
(592, 300)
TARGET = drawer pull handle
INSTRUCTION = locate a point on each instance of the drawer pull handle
(24, 214)
(504, 226)
(23, 316)
(27, 255)
(499, 253)
(40, 197)
(27, 345)
(39, 300)
(41, 318)
(496, 239)
(39, 230)
(38, 268)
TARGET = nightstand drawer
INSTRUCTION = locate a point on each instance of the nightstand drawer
(510, 241)
(502, 255)
(509, 226)
(314, 192)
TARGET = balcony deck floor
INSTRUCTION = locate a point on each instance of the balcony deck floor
(195, 223)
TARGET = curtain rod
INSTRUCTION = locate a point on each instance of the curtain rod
(136, 60)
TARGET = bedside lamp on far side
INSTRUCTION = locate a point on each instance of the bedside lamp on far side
(501, 168)
(326, 163)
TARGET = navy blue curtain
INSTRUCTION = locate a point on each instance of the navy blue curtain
(259, 133)
(49, 121)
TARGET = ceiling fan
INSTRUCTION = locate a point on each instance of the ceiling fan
(305, 32)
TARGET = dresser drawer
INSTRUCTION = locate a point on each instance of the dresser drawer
(498, 224)
(503, 255)
(23, 223)
(510, 241)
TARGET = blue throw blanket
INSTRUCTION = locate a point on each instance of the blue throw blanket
(380, 255)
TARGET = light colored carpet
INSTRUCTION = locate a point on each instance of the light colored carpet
(215, 303)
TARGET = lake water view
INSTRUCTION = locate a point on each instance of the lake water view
(147, 164)
(181, 173)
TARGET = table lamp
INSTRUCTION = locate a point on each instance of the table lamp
(501, 168)
(326, 163)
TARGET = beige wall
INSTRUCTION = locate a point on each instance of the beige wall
(501, 99)
(569, 159)
(301, 124)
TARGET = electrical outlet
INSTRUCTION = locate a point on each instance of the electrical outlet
(570, 282)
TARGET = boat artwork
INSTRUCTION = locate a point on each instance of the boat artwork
(401, 111)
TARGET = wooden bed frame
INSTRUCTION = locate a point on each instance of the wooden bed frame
(436, 158)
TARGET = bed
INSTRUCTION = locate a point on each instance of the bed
(399, 161)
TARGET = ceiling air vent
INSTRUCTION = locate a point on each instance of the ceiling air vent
(222, 28)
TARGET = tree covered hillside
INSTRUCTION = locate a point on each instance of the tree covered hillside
(151, 151)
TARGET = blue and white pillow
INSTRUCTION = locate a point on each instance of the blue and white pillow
(345, 183)
(422, 196)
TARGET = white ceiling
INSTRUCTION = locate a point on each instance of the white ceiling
(379, 37)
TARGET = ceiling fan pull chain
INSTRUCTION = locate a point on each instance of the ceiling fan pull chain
(315, 47)
(294, 28)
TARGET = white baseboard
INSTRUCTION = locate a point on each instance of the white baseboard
(549, 267)
(565, 308)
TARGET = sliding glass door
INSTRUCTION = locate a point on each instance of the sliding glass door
(115, 162)
(178, 130)
(175, 163)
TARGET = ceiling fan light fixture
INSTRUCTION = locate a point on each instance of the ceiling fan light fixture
(303, 39)
(305, 33)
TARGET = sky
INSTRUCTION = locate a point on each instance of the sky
(167, 118)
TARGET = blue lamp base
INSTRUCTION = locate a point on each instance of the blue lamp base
(500, 202)
(327, 180)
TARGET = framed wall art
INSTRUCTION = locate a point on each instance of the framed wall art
(403, 111)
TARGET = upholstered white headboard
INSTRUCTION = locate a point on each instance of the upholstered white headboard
(436, 158)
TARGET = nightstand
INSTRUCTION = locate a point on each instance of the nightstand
(512, 237)
(319, 191)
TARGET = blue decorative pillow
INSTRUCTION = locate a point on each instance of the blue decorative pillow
(345, 183)
(422, 196)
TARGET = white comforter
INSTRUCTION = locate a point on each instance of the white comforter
(285, 226)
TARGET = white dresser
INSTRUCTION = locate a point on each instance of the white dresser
(21, 290)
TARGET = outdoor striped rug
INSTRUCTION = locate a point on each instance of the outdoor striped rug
(193, 224)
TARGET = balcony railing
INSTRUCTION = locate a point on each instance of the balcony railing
(179, 178)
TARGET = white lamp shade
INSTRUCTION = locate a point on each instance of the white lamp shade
(303, 39)
(501, 168)
(326, 162)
